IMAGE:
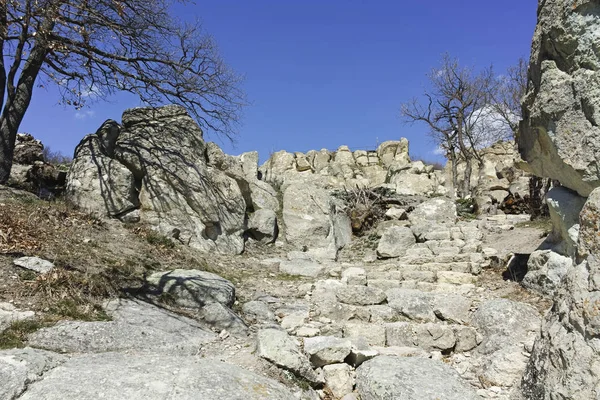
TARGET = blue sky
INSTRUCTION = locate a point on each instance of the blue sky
(319, 74)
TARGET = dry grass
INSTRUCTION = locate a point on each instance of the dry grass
(94, 259)
(543, 224)
(364, 207)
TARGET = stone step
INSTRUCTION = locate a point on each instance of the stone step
(446, 338)
(431, 336)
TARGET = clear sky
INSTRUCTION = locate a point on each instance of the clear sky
(319, 74)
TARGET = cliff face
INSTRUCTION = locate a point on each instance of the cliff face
(559, 136)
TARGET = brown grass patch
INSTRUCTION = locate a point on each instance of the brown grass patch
(94, 259)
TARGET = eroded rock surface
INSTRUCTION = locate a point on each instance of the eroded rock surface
(559, 139)
(559, 134)
(387, 377)
(155, 163)
(19, 368)
(134, 326)
(116, 376)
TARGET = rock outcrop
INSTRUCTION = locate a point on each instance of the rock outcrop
(28, 149)
(153, 168)
(389, 165)
(31, 172)
(413, 378)
(559, 134)
(559, 139)
(153, 377)
(422, 320)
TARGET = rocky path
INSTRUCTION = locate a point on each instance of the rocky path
(434, 321)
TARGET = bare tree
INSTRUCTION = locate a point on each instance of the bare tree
(506, 99)
(452, 113)
(507, 106)
(94, 48)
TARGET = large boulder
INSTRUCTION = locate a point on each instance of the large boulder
(282, 350)
(27, 149)
(192, 288)
(306, 212)
(277, 167)
(509, 329)
(313, 218)
(262, 225)
(416, 179)
(156, 162)
(559, 139)
(564, 207)
(410, 378)
(164, 149)
(32, 172)
(545, 271)
(244, 170)
(393, 152)
(559, 135)
(565, 359)
(113, 376)
(98, 183)
(498, 176)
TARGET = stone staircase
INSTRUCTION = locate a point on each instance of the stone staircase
(428, 303)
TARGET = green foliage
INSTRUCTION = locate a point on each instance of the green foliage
(466, 208)
(157, 239)
(15, 335)
(27, 275)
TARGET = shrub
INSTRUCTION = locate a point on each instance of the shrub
(365, 207)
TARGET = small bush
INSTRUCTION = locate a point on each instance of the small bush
(466, 208)
(364, 207)
(157, 239)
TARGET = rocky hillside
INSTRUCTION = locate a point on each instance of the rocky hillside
(319, 275)
(173, 270)
(428, 314)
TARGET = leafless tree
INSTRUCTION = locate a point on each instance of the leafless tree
(507, 106)
(506, 99)
(451, 110)
(94, 48)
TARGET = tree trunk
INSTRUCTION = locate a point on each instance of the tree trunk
(12, 116)
(464, 151)
(466, 188)
(538, 187)
(7, 146)
(454, 161)
(19, 96)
